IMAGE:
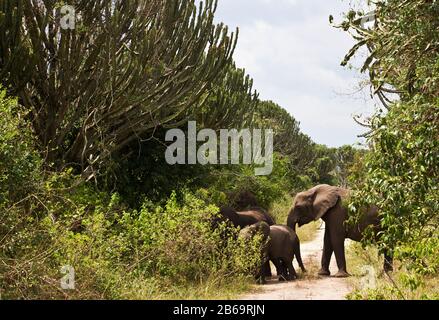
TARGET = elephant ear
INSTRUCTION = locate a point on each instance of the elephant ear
(325, 198)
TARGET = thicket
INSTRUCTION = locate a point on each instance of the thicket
(400, 173)
(83, 179)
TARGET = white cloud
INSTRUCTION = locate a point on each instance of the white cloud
(277, 2)
(294, 56)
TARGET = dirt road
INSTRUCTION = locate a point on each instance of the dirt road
(309, 286)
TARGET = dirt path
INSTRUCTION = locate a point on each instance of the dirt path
(309, 286)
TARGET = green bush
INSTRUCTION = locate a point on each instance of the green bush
(49, 220)
(19, 163)
(231, 180)
(403, 183)
(114, 250)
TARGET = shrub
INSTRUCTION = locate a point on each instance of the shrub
(19, 163)
(111, 247)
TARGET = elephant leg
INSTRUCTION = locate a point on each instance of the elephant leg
(292, 275)
(326, 256)
(260, 278)
(267, 269)
(337, 241)
(280, 269)
(388, 261)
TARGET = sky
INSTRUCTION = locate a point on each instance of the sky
(293, 54)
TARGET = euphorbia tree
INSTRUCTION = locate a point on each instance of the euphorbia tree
(126, 67)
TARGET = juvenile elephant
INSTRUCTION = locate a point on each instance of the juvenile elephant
(246, 218)
(283, 246)
(262, 229)
(326, 202)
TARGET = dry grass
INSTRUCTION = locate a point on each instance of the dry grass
(213, 288)
(308, 232)
(396, 286)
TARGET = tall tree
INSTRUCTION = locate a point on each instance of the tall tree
(288, 140)
(127, 67)
(232, 102)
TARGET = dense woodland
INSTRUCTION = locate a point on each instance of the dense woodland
(84, 182)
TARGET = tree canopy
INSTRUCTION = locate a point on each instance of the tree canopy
(128, 67)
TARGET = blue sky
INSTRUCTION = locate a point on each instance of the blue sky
(294, 55)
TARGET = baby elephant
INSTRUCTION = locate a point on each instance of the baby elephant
(282, 247)
(263, 230)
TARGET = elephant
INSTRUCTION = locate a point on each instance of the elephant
(283, 246)
(244, 219)
(280, 245)
(263, 229)
(243, 200)
(326, 202)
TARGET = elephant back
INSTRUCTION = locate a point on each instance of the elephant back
(255, 215)
(261, 228)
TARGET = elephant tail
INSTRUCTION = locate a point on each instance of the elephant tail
(298, 255)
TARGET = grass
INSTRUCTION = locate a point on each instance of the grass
(308, 232)
(281, 208)
(371, 283)
(214, 288)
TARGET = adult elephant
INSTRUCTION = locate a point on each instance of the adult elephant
(246, 218)
(326, 202)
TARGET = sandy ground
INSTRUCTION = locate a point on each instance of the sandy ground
(308, 286)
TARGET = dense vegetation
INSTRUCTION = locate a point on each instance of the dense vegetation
(83, 179)
(83, 176)
(400, 173)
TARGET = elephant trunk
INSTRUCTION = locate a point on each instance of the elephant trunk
(292, 219)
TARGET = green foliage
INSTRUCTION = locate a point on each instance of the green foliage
(400, 174)
(111, 247)
(19, 163)
(230, 180)
(403, 49)
(306, 163)
(347, 160)
(96, 105)
(231, 101)
(403, 284)
(289, 141)
(49, 220)
(144, 173)
(128, 68)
